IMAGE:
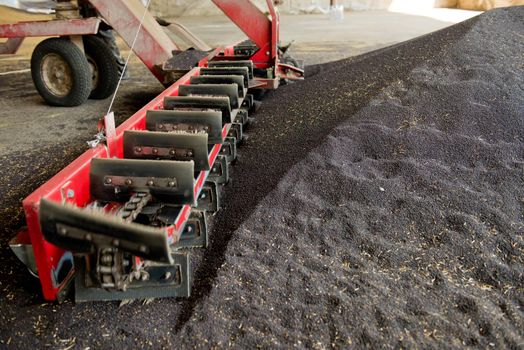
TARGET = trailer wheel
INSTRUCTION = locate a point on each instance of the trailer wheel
(104, 69)
(60, 72)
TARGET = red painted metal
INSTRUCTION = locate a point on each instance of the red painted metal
(153, 46)
(72, 185)
(11, 46)
(50, 28)
(257, 26)
(253, 22)
(74, 179)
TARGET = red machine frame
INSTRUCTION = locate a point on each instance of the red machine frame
(72, 183)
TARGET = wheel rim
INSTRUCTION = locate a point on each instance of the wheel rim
(94, 72)
(56, 74)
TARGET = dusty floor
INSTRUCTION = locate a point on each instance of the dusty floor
(420, 243)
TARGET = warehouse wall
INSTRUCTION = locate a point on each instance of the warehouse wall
(486, 4)
(175, 8)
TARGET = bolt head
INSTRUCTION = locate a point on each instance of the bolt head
(138, 149)
(128, 182)
(109, 180)
(171, 183)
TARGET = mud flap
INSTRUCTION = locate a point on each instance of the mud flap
(180, 146)
(229, 90)
(85, 231)
(243, 71)
(221, 79)
(165, 280)
(168, 181)
(243, 63)
(220, 103)
(209, 122)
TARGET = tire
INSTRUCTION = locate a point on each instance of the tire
(104, 68)
(61, 73)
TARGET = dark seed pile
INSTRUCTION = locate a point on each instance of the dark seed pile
(379, 203)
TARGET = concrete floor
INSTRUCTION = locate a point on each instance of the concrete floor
(26, 122)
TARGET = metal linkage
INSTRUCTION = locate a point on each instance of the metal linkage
(130, 216)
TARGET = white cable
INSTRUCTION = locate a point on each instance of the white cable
(129, 55)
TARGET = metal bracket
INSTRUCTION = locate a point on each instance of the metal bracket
(209, 122)
(236, 132)
(117, 182)
(163, 281)
(242, 117)
(229, 149)
(181, 146)
(116, 179)
(195, 232)
(219, 172)
(248, 101)
(81, 230)
(209, 197)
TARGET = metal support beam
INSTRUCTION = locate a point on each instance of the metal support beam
(153, 46)
(11, 46)
(255, 24)
(50, 28)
